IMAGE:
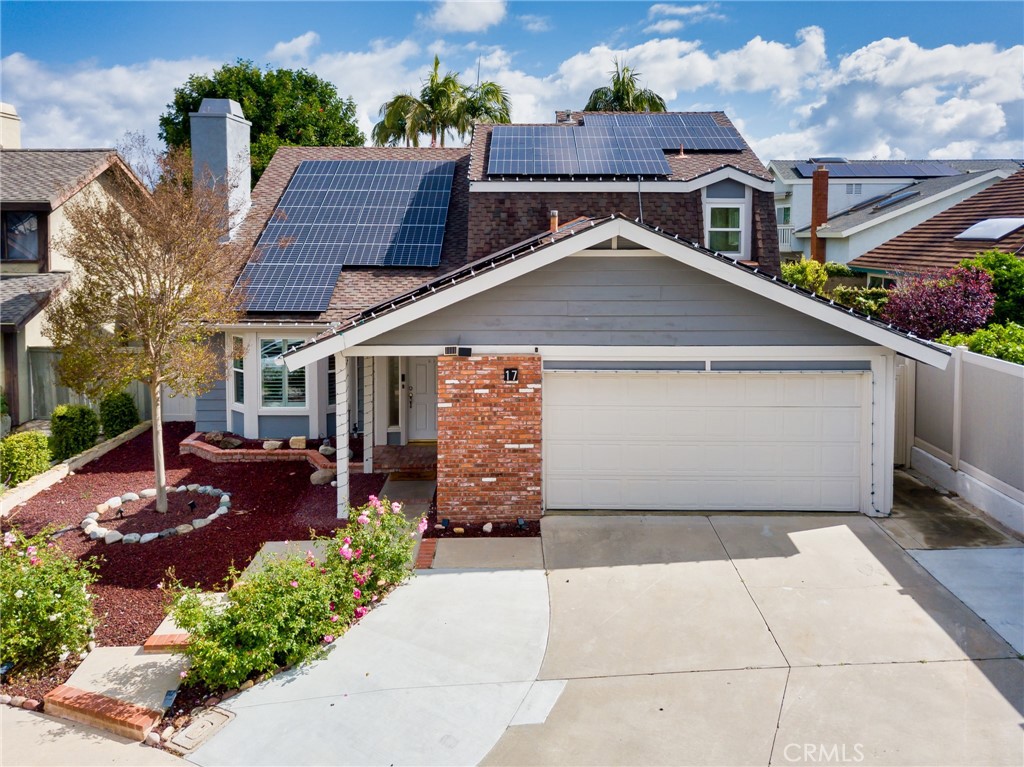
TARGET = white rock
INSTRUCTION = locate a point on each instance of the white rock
(64, 656)
(153, 739)
(197, 523)
(192, 488)
(112, 537)
(225, 499)
(167, 733)
(91, 646)
(182, 529)
(327, 450)
(213, 516)
(488, 527)
(182, 488)
(89, 528)
(297, 443)
(92, 515)
(87, 522)
(114, 503)
(148, 493)
(334, 483)
(322, 476)
(5, 699)
(149, 537)
(220, 512)
(129, 497)
(97, 533)
(131, 538)
(272, 444)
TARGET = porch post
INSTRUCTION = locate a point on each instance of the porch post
(368, 363)
(341, 431)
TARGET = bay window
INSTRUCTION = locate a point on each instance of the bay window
(278, 386)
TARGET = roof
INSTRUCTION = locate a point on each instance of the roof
(50, 176)
(23, 296)
(432, 295)
(786, 169)
(931, 245)
(863, 214)
(357, 287)
(685, 167)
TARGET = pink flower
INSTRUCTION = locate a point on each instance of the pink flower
(360, 612)
(363, 519)
(347, 540)
(295, 584)
(346, 552)
(357, 593)
(373, 598)
(334, 619)
(183, 674)
(31, 550)
(332, 607)
(34, 561)
(359, 553)
(9, 539)
(328, 638)
(375, 502)
(396, 507)
(422, 525)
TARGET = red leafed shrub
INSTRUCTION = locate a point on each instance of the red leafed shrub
(958, 301)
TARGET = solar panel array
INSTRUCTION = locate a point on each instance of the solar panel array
(338, 213)
(854, 169)
(605, 145)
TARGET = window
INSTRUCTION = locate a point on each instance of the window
(854, 189)
(280, 388)
(332, 385)
(20, 236)
(238, 369)
(782, 216)
(725, 229)
(394, 398)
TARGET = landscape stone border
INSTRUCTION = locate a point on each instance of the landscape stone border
(193, 445)
(92, 528)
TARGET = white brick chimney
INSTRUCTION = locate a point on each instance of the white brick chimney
(10, 127)
(220, 146)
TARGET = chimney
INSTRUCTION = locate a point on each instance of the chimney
(10, 127)
(554, 220)
(220, 146)
(819, 211)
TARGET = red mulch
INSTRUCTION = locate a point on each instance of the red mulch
(354, 443)
(500, 529)
(270, 502)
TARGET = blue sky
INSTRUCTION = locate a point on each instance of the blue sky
(867, 79)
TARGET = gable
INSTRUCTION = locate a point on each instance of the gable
(633, 300)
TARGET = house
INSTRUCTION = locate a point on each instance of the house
(863, 203)
(990, 220)
(544, 307)
(37, 185)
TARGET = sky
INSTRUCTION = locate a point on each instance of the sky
(886, 80)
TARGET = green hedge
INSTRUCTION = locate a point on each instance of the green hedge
(118, 413)
(22, 456)
(74, 428)
(1005, 342)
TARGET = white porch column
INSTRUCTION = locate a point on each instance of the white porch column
(368, 363)
(341, 431)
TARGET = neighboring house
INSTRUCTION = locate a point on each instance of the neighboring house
(990, 220)
(559, 354)
(35, 185)
(866, 202)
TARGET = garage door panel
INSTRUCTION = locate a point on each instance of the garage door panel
(694, 441)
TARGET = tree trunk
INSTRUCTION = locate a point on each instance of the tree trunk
(158, 448)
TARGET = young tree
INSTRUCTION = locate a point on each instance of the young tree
(444, 105)
(624, 94)
(957, 301)
(152, 279)
(286, 107)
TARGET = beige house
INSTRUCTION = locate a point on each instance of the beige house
(37, 185)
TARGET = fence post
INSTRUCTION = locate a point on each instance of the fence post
(958, 403)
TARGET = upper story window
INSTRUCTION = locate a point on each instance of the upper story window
(782, 215)
(854, 189)
(20, 240)
(279, 387)
(725, 229)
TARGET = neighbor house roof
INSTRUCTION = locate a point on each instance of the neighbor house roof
(786, 169)
(51, 176)
(23, 296)
(932, 244)
(891, 204)
(686, 167)
(358, 287)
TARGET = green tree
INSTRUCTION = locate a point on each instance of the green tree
(287, 107)
(1007, 272)
(444, 105)
(624, 94)
(151, 284)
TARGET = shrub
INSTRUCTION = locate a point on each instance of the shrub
(294, 606)
(835, 269)
(44, 600)
(5, 409)
(118, 413)
(957, 301)
(1007, 272)
(75, 428)
(807, 274)
(866, 300)
(23, 455)
(1003, 341)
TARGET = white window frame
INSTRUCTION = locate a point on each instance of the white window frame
(743, 253)
(237, 343)
(309, 387)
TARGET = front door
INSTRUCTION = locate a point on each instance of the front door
(422, 398)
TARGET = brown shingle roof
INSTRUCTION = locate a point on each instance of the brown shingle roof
(931, 245)
(23, 296)
(359, 288)
(49, 176)
(684, 167)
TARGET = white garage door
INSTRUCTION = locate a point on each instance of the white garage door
(625, 440)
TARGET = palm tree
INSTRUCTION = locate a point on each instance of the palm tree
(625, 94)
(445, 105)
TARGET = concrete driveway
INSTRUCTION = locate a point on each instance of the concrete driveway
(675, 640)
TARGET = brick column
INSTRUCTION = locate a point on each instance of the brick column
(488, 439)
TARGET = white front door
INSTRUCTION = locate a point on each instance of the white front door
(422, 395)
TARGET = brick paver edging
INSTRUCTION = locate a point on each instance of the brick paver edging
(425, 557)
(192, 445)
(111, 714)
(165, 643)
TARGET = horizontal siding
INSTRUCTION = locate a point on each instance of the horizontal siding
(210, 409)
(283, 426)
(619, 301)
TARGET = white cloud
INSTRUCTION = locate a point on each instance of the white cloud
(467, 15)
(533, 23)
(294, 51)
(665, 26)
(692, 13)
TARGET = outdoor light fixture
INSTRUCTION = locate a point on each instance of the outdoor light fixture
(521, 523)
(120, 512)
(192, 505)
(445, 523)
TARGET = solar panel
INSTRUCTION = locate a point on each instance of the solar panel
(338, 213)
(873, 169)
(697, 131)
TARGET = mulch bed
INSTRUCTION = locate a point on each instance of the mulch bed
(270, 502)
(354, 443)
(500, 529)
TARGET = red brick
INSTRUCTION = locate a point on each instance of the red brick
(117, 716)
(166, 642)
